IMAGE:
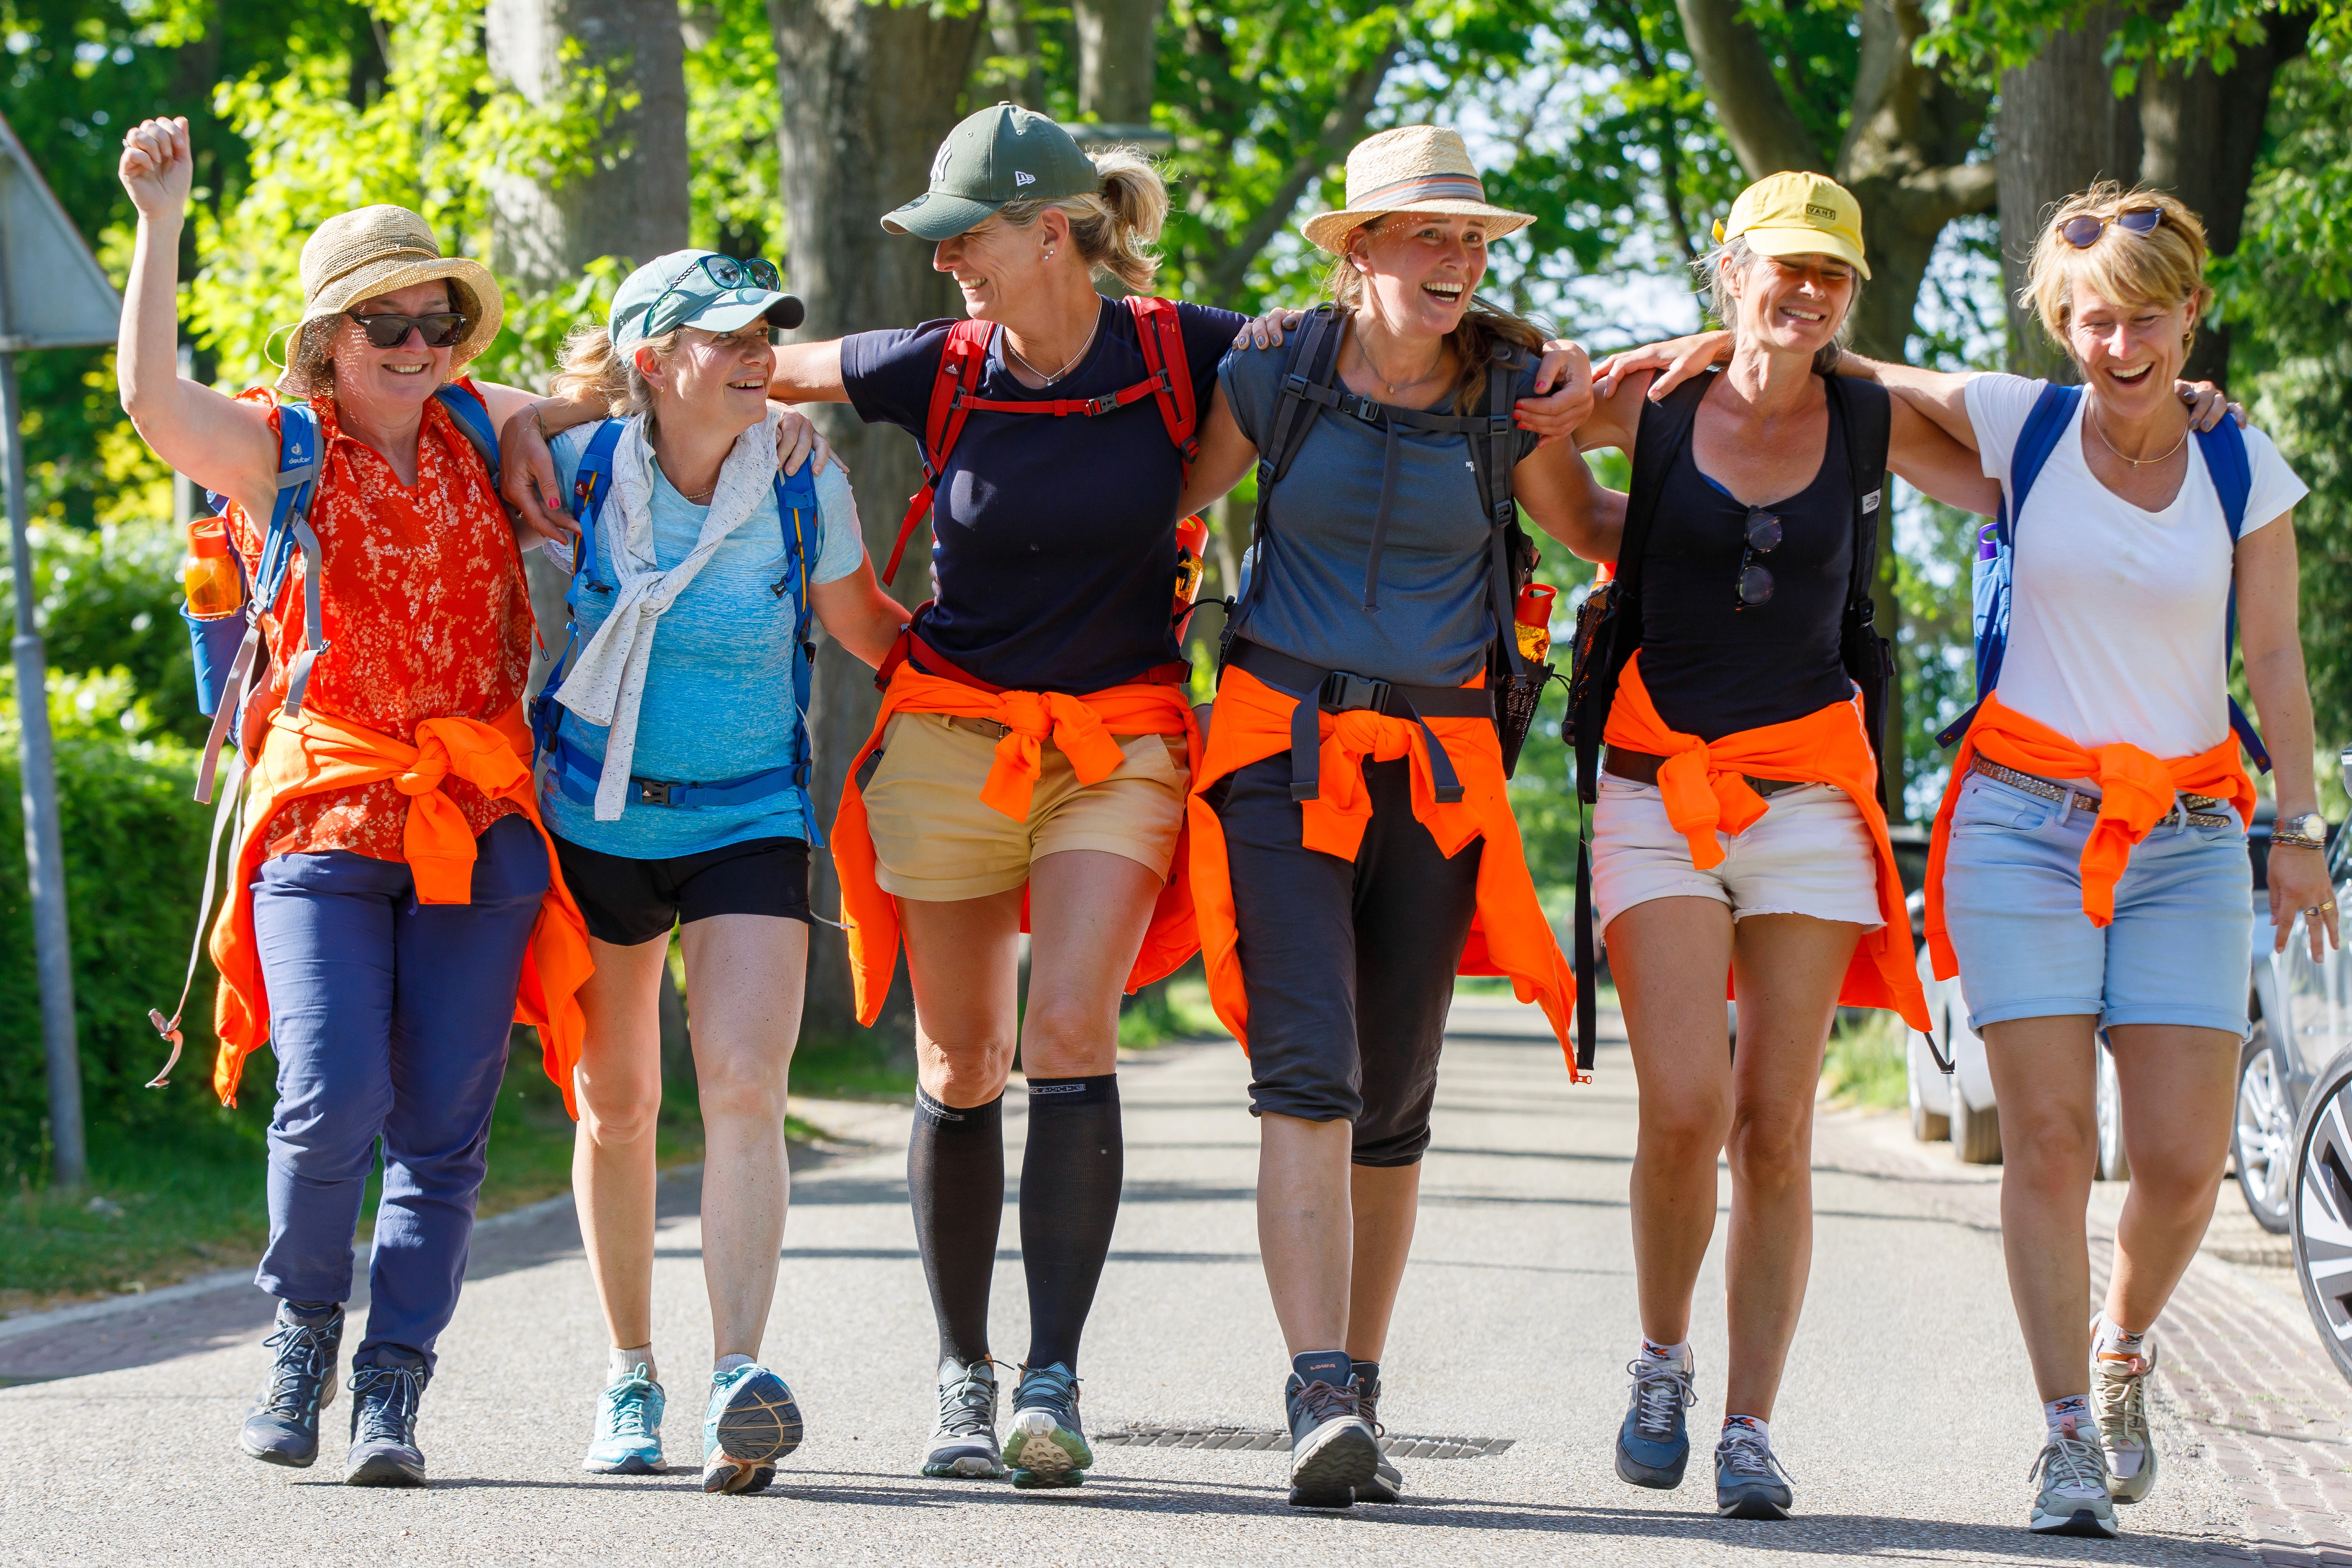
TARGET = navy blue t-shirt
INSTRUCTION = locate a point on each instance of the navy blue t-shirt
(1054, 539)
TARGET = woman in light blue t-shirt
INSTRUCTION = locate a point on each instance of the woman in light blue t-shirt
(675, 780)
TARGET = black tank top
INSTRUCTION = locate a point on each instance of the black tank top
(1715, 669)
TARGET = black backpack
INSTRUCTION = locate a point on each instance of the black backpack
(1609, 623)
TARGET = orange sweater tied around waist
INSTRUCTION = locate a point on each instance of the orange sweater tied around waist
(1508, 935)
(311, 751)
(1705, 786)
(1084, 728)
(2136, 792)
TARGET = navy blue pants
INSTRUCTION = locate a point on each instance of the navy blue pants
(389, 1020)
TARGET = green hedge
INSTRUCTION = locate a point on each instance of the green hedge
(134, 845)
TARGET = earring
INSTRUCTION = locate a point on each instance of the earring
(1049, 253)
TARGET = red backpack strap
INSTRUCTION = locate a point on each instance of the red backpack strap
(1160, 332)
(961, 359)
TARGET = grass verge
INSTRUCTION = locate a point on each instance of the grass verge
(1865, 1065)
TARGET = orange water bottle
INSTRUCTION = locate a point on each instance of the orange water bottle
(1191, 547)
(1533, 614)
(215, 586)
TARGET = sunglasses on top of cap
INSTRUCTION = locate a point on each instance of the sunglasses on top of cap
(2084, 232)
(441, 329)
(1763, 537)
(726, 272)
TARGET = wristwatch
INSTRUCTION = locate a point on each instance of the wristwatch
(2308, 831)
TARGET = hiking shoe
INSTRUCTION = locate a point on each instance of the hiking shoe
(1045, 1444)
(2119, 1396)
(2074, 1497)
(1333, 1455)
(963, 1441)
(384, 1397)
(1653, 1444)
(1748, 1480)
(751, 1422)
(281, 1425)
(1387, 1483)
(628, 1428)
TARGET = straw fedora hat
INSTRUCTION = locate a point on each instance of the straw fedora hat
(1413, 168)
(358, 255)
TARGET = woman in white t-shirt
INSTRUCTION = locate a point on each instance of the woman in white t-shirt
(2091, 849)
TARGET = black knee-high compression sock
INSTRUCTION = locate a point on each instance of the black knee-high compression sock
(955, 1178)
(1069, 1202)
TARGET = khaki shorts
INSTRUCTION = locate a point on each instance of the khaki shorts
(935, 842)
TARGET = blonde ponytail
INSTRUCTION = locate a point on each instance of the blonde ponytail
(1116, 226)
(591, 368)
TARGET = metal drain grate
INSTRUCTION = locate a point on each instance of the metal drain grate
(1398, 1445)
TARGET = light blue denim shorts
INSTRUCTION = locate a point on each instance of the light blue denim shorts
(2178, 952)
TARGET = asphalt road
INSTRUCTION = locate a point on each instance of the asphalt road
(1909, 1420)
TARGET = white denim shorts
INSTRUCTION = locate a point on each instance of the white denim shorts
(1809, 854)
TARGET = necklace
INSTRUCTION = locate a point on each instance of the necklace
(2136, 463)
(1073, 361)
(1395, 387)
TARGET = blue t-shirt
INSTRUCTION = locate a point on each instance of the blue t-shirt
(719, 701)
(1054, 539)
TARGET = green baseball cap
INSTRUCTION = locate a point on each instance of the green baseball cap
(998, 155)
(699, 289)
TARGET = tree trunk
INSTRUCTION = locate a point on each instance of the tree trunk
(1116, 61)
(638, 206)
(1013, 39)
(869, 92)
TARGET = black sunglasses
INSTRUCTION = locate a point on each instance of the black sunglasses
(441, 329)
(723, 270)
(1763, 538)
(2084, 232)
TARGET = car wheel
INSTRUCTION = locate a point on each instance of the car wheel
(2262, 1141)
(2114, 1166)
(2321, 1212)
(1975, 1134)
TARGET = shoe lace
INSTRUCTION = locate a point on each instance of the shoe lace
(628, 1407)
(1049, 1386)
(301, 1368)
(1323, 1403)
(968, 1405)
(2071, 1464)
(387, 1400)
(1662, 1390)
(1750, 1454)
(2121, 1391)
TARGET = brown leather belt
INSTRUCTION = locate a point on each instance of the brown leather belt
(1641, 767)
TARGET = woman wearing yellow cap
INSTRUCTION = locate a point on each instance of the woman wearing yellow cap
(1738, 825)
(2089, 868)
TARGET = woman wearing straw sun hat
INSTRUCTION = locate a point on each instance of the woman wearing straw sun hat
(1352, 843)
(395, 901)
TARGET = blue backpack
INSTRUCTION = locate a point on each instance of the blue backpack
(227, 651)
(2224, 447)
(577, 772)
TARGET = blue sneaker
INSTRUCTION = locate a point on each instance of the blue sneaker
(1045, 1446)
(628, 1428)
(282, 1426)
(1750, 1482)
(751, 1423)
(1653, 1445)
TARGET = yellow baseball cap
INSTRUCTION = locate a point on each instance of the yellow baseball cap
(1791, 214)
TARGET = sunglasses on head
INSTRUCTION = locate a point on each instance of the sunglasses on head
(725, 271)
(1763, 536)
(2084, 232)
(441, 329)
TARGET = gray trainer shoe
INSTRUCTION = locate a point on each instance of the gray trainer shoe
(2074, 1499)
(963, 1442)
(1750, 1482)
(1388, 1481)
(2119, 1394)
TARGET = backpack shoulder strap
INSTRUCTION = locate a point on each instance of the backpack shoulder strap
(1866, 411)
(1665, 430)
(472, 415)
(962, 359)
(1313, 361)
(1159, 333)
(796, 512)
(2036, 439)
(2231, 471)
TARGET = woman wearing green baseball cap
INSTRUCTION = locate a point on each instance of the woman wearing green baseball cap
(676, 789)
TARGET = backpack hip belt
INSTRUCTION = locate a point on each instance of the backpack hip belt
(1321, 691)
(576, 774)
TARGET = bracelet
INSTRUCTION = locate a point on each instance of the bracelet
(2294, 841)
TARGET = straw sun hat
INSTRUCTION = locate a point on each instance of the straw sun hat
(358, 255)
(1414, 168)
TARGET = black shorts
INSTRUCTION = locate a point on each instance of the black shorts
(627, 901)
(1348, 966)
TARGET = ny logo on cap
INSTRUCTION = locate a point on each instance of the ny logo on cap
(939, 163)
(1022, 177)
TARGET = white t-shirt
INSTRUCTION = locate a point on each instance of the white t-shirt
(2118, 616)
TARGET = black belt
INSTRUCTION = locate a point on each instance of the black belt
(1337, 691)
(1641, 767)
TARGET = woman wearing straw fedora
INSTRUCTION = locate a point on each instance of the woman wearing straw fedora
(1353, 846)
(1029, 761)
(395, 901)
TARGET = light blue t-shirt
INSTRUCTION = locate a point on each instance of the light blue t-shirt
(719, 703)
